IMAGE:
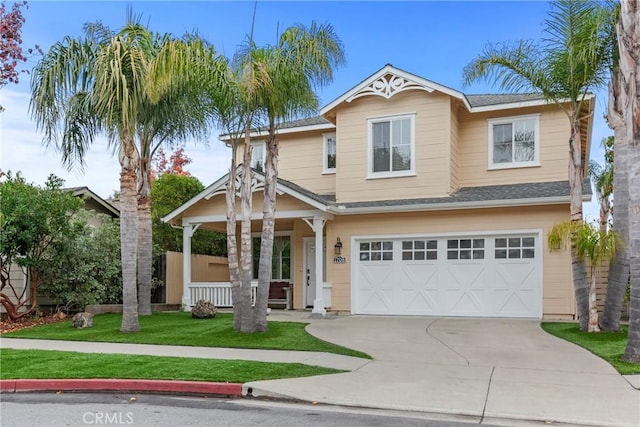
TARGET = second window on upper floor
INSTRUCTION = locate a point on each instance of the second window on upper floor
(391, 146)
(258, 155)
(514, 142)
(329, 152)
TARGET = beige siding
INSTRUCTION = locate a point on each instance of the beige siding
(558, 291)
(474, 149)
(454, 167)
(300, 160)
(204, 268)
(217, 205)
(432, 133)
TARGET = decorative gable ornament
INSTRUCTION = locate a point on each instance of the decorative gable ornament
(389, 85)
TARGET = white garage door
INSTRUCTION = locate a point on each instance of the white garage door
(480, 275)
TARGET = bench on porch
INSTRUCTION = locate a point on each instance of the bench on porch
(280, 295)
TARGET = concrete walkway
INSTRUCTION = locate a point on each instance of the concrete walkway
(490, 370)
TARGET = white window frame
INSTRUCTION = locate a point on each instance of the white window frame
(275, 234)
(264, 153)
(391, 174)
(325, 152)
(511, 165)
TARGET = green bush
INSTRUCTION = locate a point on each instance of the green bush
(89, 266)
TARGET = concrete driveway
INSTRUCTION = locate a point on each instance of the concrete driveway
(491, 370)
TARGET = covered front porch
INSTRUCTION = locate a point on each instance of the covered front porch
(298, 269)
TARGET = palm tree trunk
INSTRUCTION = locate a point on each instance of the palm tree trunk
(576, 175)
(246, 319)
(128, 235)
(628, 41)
(619, 266)
(593, 305)
(145, 255)
(232, 242)
(145, 238)
(268, 226)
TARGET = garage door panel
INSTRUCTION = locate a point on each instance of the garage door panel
(497, 276)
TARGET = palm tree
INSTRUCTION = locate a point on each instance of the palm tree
(590, 242)
(602, 177)
(571, 62)
(302, 61)
(103, 83)
(628, 39)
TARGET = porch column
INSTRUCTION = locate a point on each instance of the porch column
(318, 303)
(187, 233)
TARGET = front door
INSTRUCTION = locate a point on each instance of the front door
(310, 271)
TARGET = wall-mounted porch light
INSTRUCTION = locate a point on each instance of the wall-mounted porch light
(337, 248)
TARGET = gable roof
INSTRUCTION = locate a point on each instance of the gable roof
(390, 80)
(282, 187)
(93, 201)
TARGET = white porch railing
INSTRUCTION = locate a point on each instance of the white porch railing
(219, 293)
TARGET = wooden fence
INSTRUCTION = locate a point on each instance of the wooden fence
(204, 268)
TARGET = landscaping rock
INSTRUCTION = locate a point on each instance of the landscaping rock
(83, 320)
(204, 310)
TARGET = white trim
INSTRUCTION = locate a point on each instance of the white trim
(288, 233)
(257, 216)
(263, 145)
(412, 146)
(295, 129)
(521, 104)
(342, 210)
(427, 85)
(449, 234)
(511, 120)
(325, 152)
(220, 184)
(305, 296)
(222, 181)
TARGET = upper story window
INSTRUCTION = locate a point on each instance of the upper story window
(391, 146)
(514, 142)
(258, 155)
(329, 153)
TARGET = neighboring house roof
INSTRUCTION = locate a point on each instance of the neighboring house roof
(529, 194)
(93, 201)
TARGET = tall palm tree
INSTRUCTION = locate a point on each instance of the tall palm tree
(102, 83)
(572, 61)
(628, 39)
(619, 266)
(302, 61)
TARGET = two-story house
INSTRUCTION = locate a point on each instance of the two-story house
(422, 200)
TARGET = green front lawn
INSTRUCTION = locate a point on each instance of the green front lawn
(607, 345)
(182, 329)
(42, 364)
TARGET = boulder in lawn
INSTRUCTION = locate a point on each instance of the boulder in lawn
(204, 310)
(82, 320)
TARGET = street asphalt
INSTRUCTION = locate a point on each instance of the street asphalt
(497, 371)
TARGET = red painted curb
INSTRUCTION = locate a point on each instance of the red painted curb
(98, 384)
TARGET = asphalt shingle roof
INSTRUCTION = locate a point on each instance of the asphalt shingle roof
(537, 190)
(502, 98)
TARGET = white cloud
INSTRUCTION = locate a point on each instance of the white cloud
(21, 149)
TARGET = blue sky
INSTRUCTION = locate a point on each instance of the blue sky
(432, 39)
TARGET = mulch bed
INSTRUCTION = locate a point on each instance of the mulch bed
(29, 322)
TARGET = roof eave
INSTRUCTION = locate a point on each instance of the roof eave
(456, 205)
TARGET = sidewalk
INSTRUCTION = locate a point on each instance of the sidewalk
(494, 371)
